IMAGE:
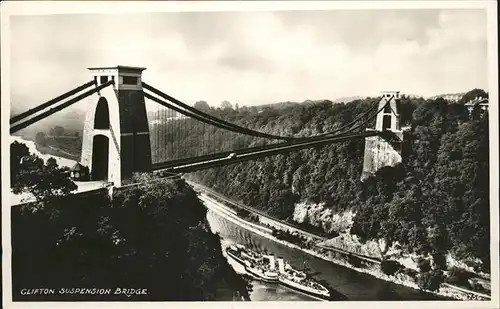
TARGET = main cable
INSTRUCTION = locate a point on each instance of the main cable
(242, 130)
(53, 110)
(49, 103)
(220, 123)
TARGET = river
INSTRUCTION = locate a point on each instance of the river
(32, 148)
(16, 199)
(350, 285)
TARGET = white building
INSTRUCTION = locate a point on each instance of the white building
(482, 102)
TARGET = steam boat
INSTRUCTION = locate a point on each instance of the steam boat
(263, 267)
(259, 266)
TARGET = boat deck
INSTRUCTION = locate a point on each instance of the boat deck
(263, 267)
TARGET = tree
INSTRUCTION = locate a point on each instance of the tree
(435, 203)
(45, 182)
(226, 105)
(40, 139)
(423, 265)
(59, 131)
(439, 260)
(51, 163)
(430, 281)
(389, 267)
(458, 276)
(471, 95)
(202, 106)
(97, 242)
(17, 151)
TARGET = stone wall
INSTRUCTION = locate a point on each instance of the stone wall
(379, 153)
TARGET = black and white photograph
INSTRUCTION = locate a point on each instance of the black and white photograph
(259, 152)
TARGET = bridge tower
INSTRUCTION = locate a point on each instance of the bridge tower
(384, 150)
(116, 132)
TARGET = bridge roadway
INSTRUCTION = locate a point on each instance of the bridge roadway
(217, 160)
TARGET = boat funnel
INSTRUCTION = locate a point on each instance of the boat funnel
(281, 265)
(272, 262)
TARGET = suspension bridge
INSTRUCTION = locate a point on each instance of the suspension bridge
(119, 139)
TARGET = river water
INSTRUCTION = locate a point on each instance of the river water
(350, 285)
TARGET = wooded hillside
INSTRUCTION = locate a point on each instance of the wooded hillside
(435, 202)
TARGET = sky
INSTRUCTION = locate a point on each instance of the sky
(253, 58)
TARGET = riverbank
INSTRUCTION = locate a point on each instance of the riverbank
(445, 291)
(60, 160)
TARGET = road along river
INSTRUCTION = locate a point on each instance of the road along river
(350, 284)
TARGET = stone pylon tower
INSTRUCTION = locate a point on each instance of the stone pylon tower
(116, 132)
(383, 151)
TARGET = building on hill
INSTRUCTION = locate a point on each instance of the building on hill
(477, 101)
(451, 97)
(79, 172)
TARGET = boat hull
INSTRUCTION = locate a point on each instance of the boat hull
(249, 270)
(279, 279)
(291, 286)
(238, 267)
(235, 258)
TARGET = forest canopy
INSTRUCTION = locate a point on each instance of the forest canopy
(434, 202)
(155, 237)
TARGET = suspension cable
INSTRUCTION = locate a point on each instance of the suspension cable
(367, 120)
(49, 103)
(53, 110)
(214, 120)
(352, 122)
(213, 123)
(253, 133)
(247, 131)
(162, 165)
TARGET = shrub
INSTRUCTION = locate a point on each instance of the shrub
(459, 276)
(390, 267)
(424, 265)
(476, 286)
(475, 265)
(430, 281)
(439, 260)
(410, 272)
(243, 213)
(253, 218)
(354, 261)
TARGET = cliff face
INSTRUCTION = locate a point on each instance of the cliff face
(321, 216)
